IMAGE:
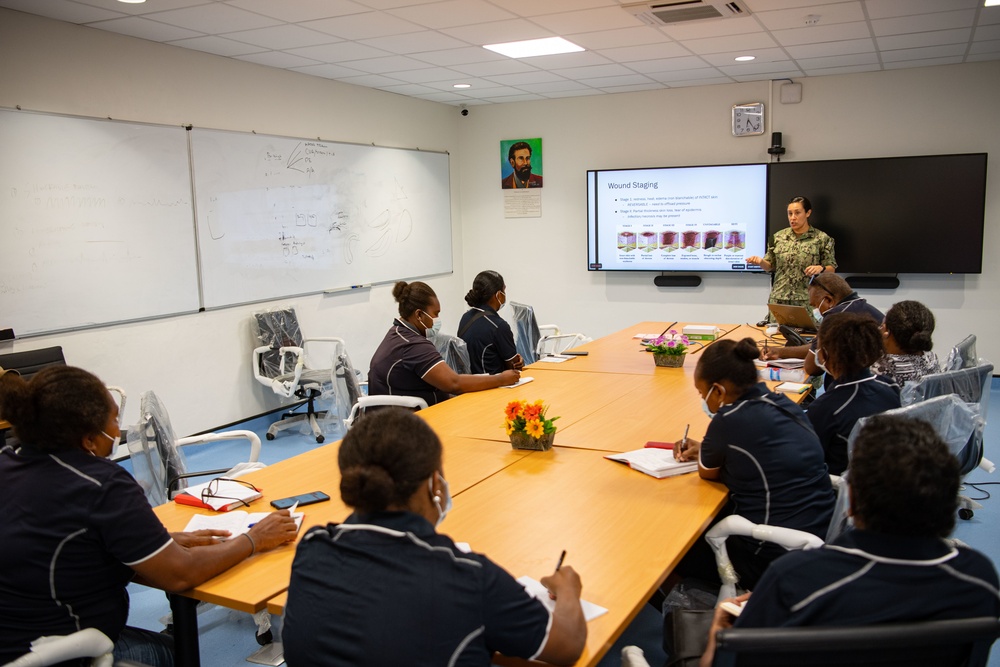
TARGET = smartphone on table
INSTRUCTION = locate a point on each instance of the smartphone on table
(302, 499)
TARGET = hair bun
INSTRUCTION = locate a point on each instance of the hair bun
(399, 290)
(921, 341)
(366, 486)
(746, 349)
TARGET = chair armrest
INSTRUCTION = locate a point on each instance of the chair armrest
(225, 435)
(286, 388)
(87, 643)
(364, 402)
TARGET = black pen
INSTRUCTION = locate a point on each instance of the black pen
(683, 443)
(562, 557)
(668, 328)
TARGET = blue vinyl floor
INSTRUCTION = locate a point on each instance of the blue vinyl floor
(227, 637)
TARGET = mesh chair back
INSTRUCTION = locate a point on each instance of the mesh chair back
(972, 385)
(962, 355)
(526, 334)
(454, 351)
(277, 328)
(31, 361)
(152, 446)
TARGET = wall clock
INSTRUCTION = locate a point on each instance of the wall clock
(748, 119)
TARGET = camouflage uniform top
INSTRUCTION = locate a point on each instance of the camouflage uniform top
(789, 255)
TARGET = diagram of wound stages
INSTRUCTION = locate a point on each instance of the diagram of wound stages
(704, 241)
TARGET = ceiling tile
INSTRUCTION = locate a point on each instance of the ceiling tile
(415, 42)
(282, 37)
(635, 88)
(469, 54)
(63, 10)
(626, 54)
(598, 71)
(497, 32)
(846, 47)
(924, 22)
(766, 76)
(628, 80)
(880, 9)
(571, 93)
(842, 12)
(407, 89)
(719, 28)
(522, 78)
(563, 60)
(478, 85)
(429, 74)
(554, 87)
(685, 75)
(452, 13)
(136, 26)
(277, 59)
(982, 57)
(339, 52)
(137, 9)
(668, 64)
(986, 46)
(852, 69)
(822, 33)
(729, 59)
(536, 8)
(838, 61)
(499, 91)
(987, 32)
(296, 11)
(387, 64)
(929, 62)
(746, 69)
(729, 44)
(220, 46)
(610, 39)
(948, 50)
(443, 97)
(700, 82)
(507, 66)
(936, 38)
(213, 19)
(772, 5)
(369, 80)
(588, 20)
(328, 71)
(505, 99)
(363, 26)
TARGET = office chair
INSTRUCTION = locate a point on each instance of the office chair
(947, 643)
(158, 464)
(971, 384)
(281, 362)
(31, 361)
(533, 341)
(453, 350)
(86, 643)
(962, 355)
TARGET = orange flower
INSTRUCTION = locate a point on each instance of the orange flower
(533, 411)
(535, 428)
(513, 409)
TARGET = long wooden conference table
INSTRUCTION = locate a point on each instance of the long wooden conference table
(623, 531)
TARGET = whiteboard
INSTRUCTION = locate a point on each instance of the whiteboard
(97, 222)
(279, 217)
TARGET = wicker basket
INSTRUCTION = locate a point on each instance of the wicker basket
(525, 441)
(669, 360)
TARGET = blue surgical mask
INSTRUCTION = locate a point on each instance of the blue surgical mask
(435, 324)
(442, 511)
(504, 300)
(704, 404)
(819, 364)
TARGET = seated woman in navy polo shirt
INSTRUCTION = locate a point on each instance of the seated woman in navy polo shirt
(77, 527)
(488, 336)
(407, 364)
(895, 566)
(847, 344)
(762, 447)
(906, 335)
(385, 588)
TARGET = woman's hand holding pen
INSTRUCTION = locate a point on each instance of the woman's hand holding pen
(687, 449)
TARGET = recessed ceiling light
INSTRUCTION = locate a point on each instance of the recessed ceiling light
(462, 85)
(132, 2)
(743, 59)
(991, 3)
(534, 47)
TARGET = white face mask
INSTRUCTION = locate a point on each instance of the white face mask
(817, 314)
(435, 324)
(114, 443)
(442, 511)
(504, 300)
(819, 364)
(704, 404)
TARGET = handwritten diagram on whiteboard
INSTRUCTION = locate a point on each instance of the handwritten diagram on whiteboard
(280, 216)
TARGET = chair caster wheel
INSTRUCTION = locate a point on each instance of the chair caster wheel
(269, 436)
(965, 513)
(319, 438)
(265, 638)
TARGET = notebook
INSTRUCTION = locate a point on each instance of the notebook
(654, 461)
(792, 316)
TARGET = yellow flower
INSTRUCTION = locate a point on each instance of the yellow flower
(535, 428)
(510, 427)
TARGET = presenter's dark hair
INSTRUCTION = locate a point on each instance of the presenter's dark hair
(806, 204)
(385, 457)
(520, 145)
(730, 360)
(412, 297)
(911, 323)
(57, 408)
(851, 340)
(486, 284)
(903, 479)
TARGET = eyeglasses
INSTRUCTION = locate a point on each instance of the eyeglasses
(212, 490)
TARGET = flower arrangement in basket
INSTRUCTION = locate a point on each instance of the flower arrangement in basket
(528, 427)
(669, 349)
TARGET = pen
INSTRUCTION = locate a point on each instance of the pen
(683, 443)
(562, 556)
(294, 507)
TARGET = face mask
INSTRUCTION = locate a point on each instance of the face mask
(114, 442)
(504, 300)
(435, 324)
(819, 364)
(704, 404)
(442, 511)
(817, 314)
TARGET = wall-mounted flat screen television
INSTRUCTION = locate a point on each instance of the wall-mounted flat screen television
(693, 219)
(919, 214)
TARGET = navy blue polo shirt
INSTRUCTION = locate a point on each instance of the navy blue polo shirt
(400, 363)
(386, 589)
(489, 339)
(771, 461)
(72, 526)
(865, 578)
(851, 304)
(845, 401)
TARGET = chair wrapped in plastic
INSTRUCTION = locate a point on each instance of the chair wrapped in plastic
(972, 385)
(527, 331)
(454, 351)
(158, 464)
(290, 365)
(962, 355)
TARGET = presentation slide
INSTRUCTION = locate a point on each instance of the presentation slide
(677, 219)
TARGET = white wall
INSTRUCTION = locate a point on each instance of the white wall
(906, 112)
(200, 364)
